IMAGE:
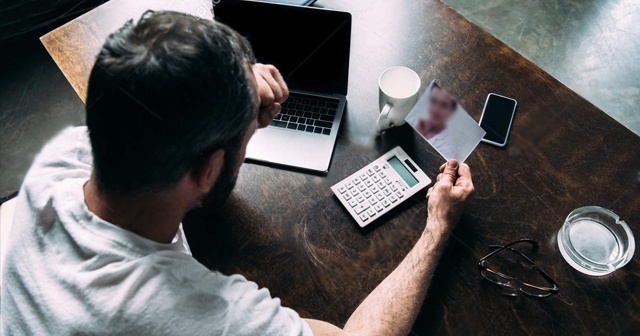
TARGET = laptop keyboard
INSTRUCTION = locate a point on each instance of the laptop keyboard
(307, 114)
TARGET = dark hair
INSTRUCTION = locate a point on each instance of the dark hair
(162, 93)
(454, 104)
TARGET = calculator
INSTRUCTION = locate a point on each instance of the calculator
(380, 186)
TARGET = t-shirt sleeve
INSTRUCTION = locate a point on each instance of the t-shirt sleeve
(216, 304)
(256, 312)
(67, 155)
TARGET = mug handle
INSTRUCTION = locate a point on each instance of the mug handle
(384, 114)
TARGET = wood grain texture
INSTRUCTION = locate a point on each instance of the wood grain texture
(75, 45)
(286, 231)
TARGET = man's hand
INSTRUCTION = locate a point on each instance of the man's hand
(272, 91)
(449, 196)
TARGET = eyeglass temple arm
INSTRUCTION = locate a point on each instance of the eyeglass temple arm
(530, 241)
(508, 246)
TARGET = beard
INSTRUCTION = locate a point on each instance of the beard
(219, 193)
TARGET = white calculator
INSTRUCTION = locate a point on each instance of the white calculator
(380, 186)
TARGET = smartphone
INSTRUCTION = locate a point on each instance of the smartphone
(496, 119)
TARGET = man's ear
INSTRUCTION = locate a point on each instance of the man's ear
(205, 173)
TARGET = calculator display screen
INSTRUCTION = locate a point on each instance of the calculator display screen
(397, 165)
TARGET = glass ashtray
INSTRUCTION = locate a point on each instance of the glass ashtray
(594, 241)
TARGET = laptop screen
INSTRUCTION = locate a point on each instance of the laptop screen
(310, 46)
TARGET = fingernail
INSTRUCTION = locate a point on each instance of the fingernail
(452, 164)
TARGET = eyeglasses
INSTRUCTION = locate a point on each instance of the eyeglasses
(511, 285)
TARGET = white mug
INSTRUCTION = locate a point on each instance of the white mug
(399, 87)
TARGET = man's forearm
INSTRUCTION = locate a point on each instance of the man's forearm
(392, 307)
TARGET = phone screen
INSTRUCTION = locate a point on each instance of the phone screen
(497, 117)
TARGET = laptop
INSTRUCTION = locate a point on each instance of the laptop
(310, 46)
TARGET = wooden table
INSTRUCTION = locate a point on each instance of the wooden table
(286, 231)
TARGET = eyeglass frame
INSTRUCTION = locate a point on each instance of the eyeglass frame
(510, 280)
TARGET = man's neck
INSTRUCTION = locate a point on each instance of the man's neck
(155, 216)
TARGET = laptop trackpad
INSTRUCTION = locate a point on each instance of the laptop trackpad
(291, 148)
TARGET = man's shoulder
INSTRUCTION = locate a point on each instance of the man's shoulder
(67, 155)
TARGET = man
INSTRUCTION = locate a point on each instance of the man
(97, 245)
(433, 127)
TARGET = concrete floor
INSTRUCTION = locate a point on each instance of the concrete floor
(593, 46)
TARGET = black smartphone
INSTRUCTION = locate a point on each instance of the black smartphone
(496, 119)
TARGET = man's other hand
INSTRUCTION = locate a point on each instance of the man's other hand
(272, 91)
(448, 197)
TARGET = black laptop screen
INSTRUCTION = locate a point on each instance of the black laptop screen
(310, 46)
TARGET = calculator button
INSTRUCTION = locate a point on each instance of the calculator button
(356, 181)
(393, 198)
(378, 207)
(376, 168)
(364, 217)
(347, 196)
(374, 189)
(363, 176)
(362, 187)
(367, 194)
(387, 181)
(394, 188)
(349, 185)
(383, 175)
(360, 208)
(373, 200)
(381, 185)
(360, 198)
(380, 196)
(368, 183)
(369, 172)
(376, 178)
(353, 203)
(342, 189)
(371, 212)
(354, 192)
(385, 202)
(387, 192)
(399, 194)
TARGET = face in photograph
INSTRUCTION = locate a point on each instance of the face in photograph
(439, 110)
(444, 124)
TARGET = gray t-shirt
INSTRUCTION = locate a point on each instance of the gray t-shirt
(67, 272)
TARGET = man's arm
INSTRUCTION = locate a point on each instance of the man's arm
(392, 307)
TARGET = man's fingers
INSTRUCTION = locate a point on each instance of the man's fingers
(429, 192)
(275, 109)
(267, 113)
(280, 81)
(278, 96)
(450, 173)
(271, 85)
(464, 173)
(264, 92)
(442, 167)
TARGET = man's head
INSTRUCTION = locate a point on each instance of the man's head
(165, 96)
(441, 106)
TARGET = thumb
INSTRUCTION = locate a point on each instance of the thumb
(275, 109)
(267, 113)
(450, 173)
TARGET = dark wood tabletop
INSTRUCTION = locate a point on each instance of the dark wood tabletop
(286, 231)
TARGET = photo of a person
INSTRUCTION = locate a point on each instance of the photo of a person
(434, 126)
(444, 124)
